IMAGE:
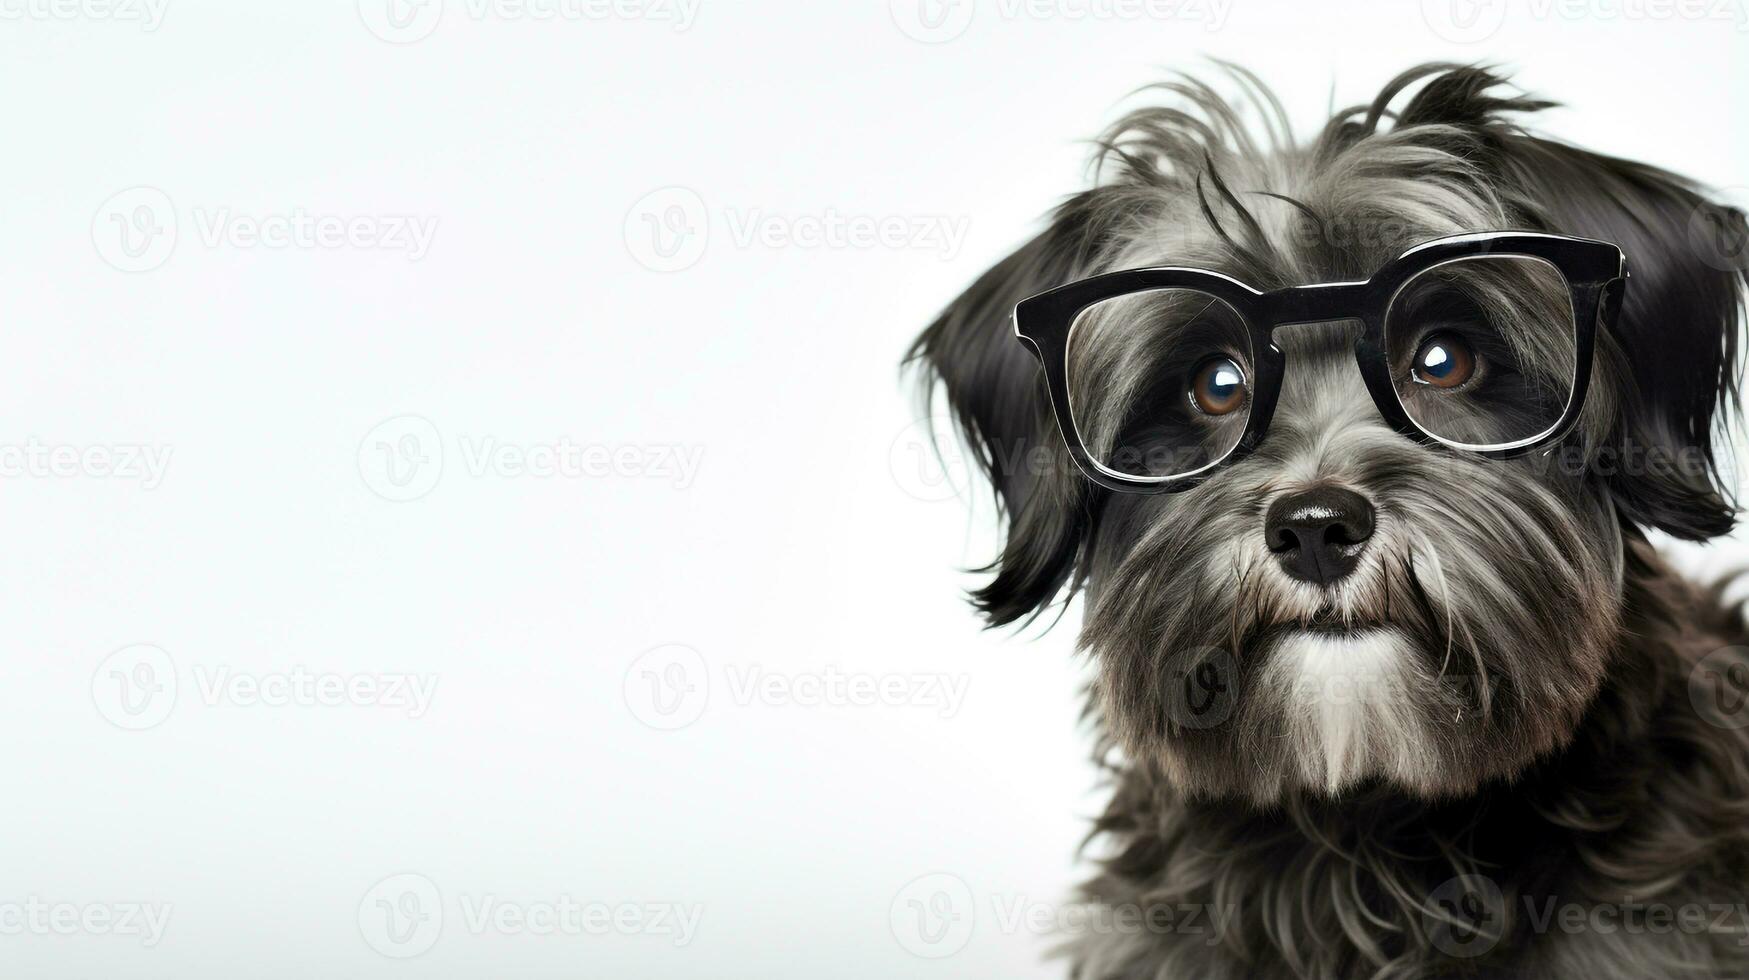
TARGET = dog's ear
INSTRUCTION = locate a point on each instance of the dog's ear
(1677, 332)
(997, 395)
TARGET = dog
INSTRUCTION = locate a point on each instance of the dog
(1378, 703)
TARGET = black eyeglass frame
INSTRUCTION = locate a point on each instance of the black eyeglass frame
(1595, 271)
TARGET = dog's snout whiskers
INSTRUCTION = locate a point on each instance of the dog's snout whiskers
(1452, 624)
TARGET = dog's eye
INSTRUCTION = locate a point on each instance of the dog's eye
(1218, 386)
(1444, 361)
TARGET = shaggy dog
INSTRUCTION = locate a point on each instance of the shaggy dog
(1447, 713)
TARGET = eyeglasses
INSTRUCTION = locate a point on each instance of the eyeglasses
(1481, 343)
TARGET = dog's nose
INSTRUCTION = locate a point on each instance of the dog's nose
(1318, 534)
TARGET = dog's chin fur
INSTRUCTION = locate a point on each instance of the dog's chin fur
(1504, 688)
(1346, 701)
(1645, 804)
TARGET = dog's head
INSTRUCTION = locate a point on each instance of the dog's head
(1466, 609)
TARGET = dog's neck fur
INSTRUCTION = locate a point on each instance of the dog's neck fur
(1648, 803)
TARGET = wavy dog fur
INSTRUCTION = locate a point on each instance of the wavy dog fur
(1513, 722)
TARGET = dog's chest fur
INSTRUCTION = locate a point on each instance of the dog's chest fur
(1564, 872)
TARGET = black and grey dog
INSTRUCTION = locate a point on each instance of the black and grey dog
(1391, 682)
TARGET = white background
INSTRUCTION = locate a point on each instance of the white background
(806, 546)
